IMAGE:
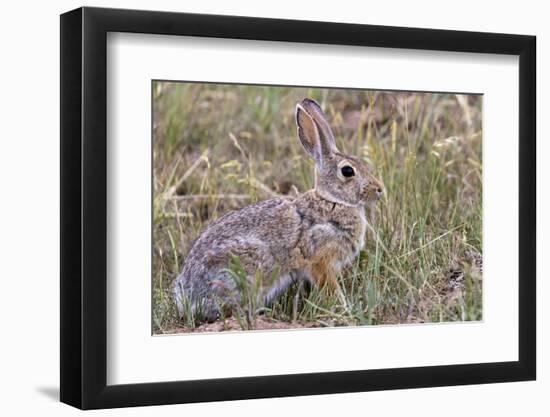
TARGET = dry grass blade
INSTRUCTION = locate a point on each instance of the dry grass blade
(172, 190)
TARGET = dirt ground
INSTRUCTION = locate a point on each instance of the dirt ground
(231, 324)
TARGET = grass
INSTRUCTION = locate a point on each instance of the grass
(221, 147)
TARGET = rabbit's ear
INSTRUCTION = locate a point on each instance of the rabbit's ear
(308, 134)
(328, 144)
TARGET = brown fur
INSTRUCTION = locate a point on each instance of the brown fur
(309, 237)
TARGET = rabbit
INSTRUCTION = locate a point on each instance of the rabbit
(309, 237)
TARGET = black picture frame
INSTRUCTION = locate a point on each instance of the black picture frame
(84, 207)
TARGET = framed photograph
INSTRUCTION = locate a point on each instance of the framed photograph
(257, 208)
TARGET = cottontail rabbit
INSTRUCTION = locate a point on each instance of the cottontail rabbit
(310, 237)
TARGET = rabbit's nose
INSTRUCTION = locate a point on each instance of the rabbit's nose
(378, 188)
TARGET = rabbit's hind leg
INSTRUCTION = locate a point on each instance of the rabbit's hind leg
(219, 298)
(281, 285)
(208, 298)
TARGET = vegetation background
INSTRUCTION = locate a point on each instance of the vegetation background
(220, 147)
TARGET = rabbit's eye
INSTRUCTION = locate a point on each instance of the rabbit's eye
(348, 171)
